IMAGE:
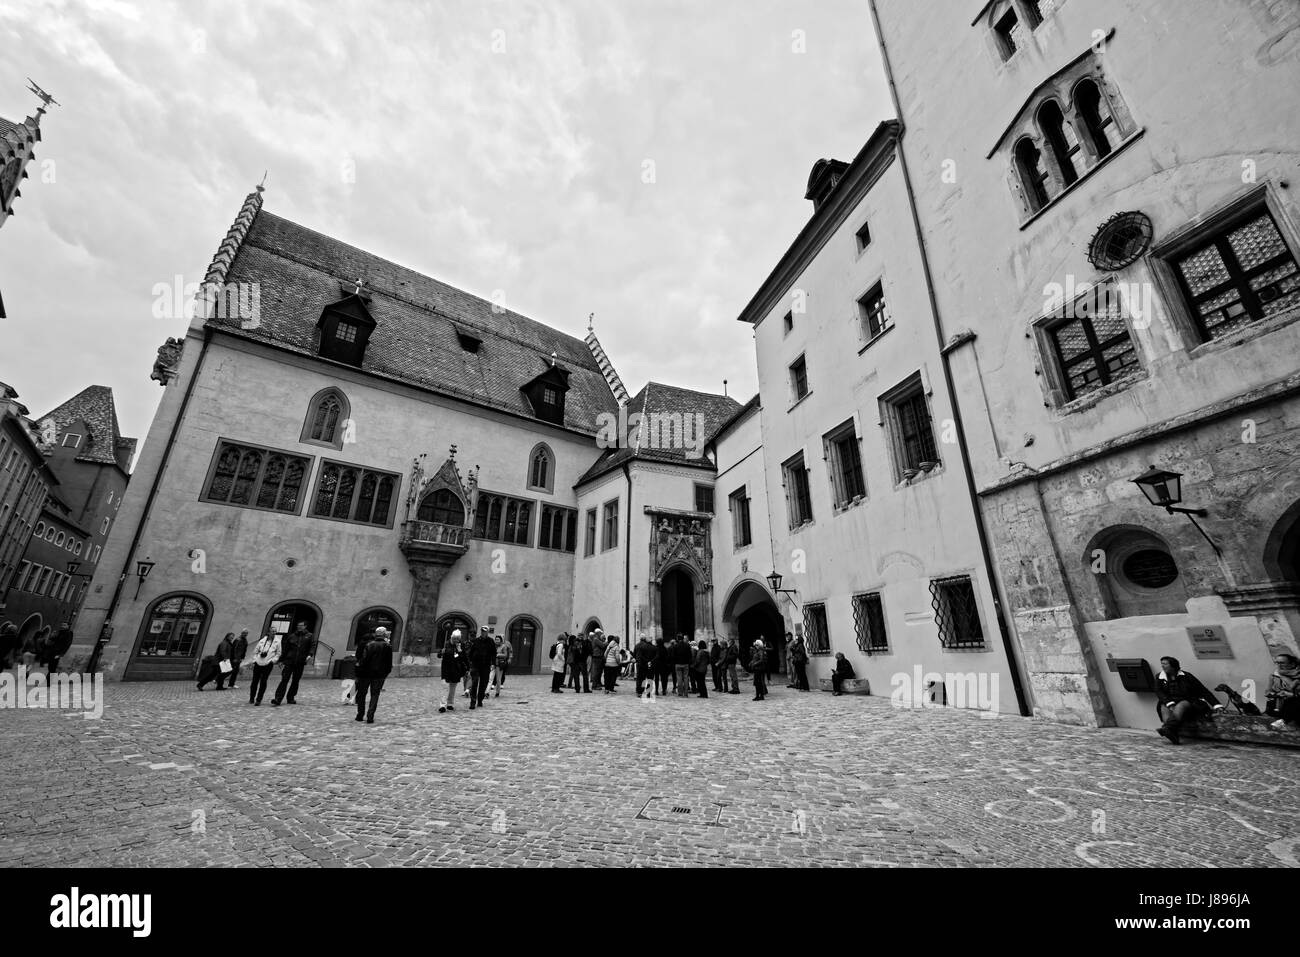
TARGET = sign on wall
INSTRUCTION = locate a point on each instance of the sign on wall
(1209, 641)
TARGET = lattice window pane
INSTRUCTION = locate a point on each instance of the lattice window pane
(1204, 270)
(1256, 243)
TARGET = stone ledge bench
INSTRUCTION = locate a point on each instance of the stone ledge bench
(847, 686)
(1245, 728)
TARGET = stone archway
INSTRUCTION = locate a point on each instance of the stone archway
(681, 557)
(750, 612)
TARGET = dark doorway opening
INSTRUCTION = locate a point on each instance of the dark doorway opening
(677, 604)
(761, 621)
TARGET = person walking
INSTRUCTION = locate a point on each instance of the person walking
(558, 651)
(645, 662)
(298, 646)
(238, 652)
(843, 670)
(799, 664)
(482, 657)
(505, 655)
(453, 666)
(374, 664)
(682, 666)
(758, 666)
(730, 662)
(599, 643)
(224, 650)
(265, 655)
(702, 664)
(715, 664)
(613, 664)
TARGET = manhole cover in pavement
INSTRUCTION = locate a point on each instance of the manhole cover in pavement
(678, 811)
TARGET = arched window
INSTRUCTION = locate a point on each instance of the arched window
(452, 622)
(442, 507)
(1097, 118)
(1137, 573)
(327, 419)
(58, 540)
(1033, 178)
(174, 627)
(40, 530)
(1061, 140)
(371, 618)
(49, 534)
(541, 469)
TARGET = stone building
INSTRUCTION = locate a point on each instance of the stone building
(860, 473)
(84, 449)
(17, 150)
(25, 482)
(1107, 195)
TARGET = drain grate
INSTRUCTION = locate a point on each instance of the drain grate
(681, 810)
(667, 810)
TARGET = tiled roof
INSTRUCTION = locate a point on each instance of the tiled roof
(105, 443)
(415, 338)
(716, 411)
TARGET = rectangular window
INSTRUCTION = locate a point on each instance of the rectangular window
(95, 560)
(864, 236)
(250, 476)
(103, 528)
(1007, 33)
(704, 498)
(71, 440)
(41, 580)
(798, 499)
(23, 569)
(873, 315)
(788, 322)
(956, 612)
(1239, 274)
(740, 533)
(558, 531)
(33, 572)
(845, 461)
(549, 395)
(799, 378)
(911, 431)
(817, 635)
(56, 582)
(345, 332)
(590, 547)
(1094, 348)
(611, 526)
(500, 518)
(350, 493)
(869, 623)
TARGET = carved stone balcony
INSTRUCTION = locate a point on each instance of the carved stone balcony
(433, 542)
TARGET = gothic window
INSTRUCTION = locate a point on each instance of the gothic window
(350, 493)
(541, 469)
(443, 507)
(499, 518)
(558, 530)
(1097, 119)
(1033, 178)
(1061, 140)
(253, 477)
(327, 417)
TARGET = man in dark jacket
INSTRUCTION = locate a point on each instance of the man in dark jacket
(715, 664)
(843, 669)
(701, 668)
(598, 644)
(482, 657)
(645, 662)
(1181, 698)
(373, 666)
(297, 647)
(222, 654)
(758, 667)
(238, 652)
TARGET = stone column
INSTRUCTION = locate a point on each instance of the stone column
(421, 625)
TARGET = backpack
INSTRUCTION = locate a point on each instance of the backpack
(553, 647)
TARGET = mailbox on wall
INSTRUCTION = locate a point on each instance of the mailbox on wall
(1134, 673)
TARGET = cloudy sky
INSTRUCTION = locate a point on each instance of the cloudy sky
(497, 146)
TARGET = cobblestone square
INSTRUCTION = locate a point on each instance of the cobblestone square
(170, 776)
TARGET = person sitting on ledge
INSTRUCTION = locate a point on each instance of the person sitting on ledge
(1283, 693)
(843, 669)
(1181, 698)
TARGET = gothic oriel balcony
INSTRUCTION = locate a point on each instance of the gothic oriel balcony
(433, 541)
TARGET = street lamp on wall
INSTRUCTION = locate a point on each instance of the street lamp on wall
(142, 570)
(774, 580)
(1164, 489)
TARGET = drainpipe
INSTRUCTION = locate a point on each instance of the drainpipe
(1007, 643)
(148, 505)
(627, 560)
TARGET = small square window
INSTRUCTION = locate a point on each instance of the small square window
(873, 315)
(799, 378)
(704, 498)
(71, 440)
(549, 395)
(345, 332)
(864, 236)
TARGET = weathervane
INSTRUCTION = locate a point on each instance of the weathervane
(46, 99)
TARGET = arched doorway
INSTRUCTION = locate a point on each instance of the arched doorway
(525, 636)
(591, 625)
(677, 604)
(284, 617)
(450, 622)
(367, 621)
(750, 612)
(172, 633)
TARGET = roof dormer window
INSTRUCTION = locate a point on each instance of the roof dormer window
(344, 330)
(468, 341)
(546, 394)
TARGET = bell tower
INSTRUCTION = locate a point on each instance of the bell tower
(17, 149)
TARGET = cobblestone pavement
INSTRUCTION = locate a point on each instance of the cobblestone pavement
(169, 776)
